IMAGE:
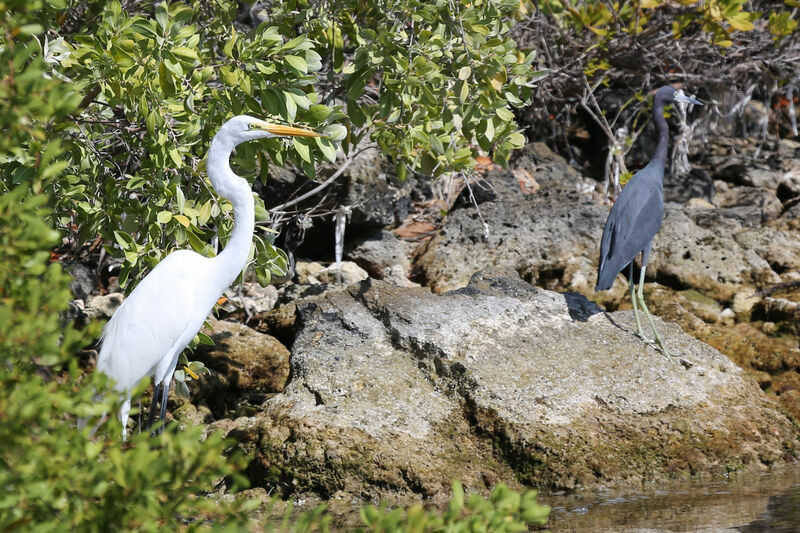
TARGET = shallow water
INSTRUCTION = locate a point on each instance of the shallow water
(748, 504)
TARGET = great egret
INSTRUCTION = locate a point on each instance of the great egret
(157, 321)
(637, 214)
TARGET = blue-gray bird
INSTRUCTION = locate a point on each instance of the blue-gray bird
(637, 213)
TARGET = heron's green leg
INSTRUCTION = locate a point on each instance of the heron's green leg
(635, 305)
(647, 313)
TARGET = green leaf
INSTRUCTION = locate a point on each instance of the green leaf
(302, 150)
(229, 76)
(741, 21)
(327, 148)
(176, 157)
(180, 199)
(162, 17)
(204, 213)
(183, 220)
(335, 132)
(163, 217)
(185, 53)
(318, 113)
(504, 114)
(297, 62)
(489, 130)
(517, 140)
(463, 93)
(291, 106)
(231, 42)
(123, 239)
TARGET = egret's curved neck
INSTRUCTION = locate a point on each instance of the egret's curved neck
(663, 131)
(232, 259)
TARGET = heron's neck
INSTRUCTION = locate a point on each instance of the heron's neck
(663, 132)
(232, 259)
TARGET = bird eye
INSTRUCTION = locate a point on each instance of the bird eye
(251, 126)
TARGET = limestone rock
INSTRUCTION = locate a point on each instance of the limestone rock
(103, 306)
(306, 272)
(550, 237)
(251, 297)
(696, 185)
(350, 273)
(245, 365)
(762, 178)
(778, 246)
(766, 200)
(397, 391)
(553, 240)
(396, 275)
(376, 251)
(789, 186)
(708, 260)
(744, 301)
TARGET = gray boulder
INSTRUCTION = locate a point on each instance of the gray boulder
(751, 196)
(377, 251)
(246, 368)
(395, 391)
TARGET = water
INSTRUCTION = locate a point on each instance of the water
(747, 504)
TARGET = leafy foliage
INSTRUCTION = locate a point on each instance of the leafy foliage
(718, 19)
(433, 83)
(54, 477)
(161, 85)
(109, 112)
(505, 510)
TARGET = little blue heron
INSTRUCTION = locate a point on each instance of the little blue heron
(636, 216)
(164, 312)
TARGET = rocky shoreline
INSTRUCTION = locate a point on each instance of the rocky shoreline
(472, 345)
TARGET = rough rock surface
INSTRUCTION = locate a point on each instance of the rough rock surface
(251, 298)
(398, 390)
(377, 251)
(548, 236)
(246, 366)
(552, 239)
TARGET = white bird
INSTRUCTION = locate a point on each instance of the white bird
(157, 321)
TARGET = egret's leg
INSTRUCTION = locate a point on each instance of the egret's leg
(647, 313)
(163, 414)
(635, 305)
(164, 393)
(124, 411)
(153, 407)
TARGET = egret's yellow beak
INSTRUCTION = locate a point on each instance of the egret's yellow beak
(287, 131)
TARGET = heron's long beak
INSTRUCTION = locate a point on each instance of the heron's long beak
(683, 98)
(287, 131)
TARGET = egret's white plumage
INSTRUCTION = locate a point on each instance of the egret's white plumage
(157, 321)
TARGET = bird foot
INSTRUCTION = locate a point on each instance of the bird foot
(675, 356)
(672, 356)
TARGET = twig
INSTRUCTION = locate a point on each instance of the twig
(315, 190)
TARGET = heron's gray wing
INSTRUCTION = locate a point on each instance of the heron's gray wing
(632, 223)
